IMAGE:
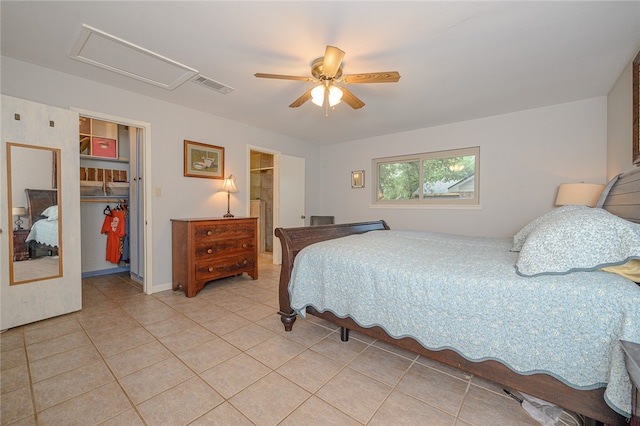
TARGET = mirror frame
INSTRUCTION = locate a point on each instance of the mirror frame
(55, 183)
(636, 110)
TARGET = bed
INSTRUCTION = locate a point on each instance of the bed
(43, 217)
(489, 338)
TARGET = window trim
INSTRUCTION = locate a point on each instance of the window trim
(428, 202)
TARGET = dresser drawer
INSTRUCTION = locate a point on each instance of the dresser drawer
(237, 246)
(223, 267)
(213, 232)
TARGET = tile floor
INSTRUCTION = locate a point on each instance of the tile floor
(223, 358)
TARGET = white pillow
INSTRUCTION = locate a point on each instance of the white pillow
(51, 213)
(582, 240)
(521, 236)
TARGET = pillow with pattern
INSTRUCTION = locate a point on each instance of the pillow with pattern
(521, 236)
(581, 240)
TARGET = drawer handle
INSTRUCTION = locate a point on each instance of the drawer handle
(210, 268)
(209, 251)
(244, 245)
(209, 233)
(244, 262)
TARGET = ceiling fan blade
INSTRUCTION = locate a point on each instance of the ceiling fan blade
(350, 99)
(302, 99)
(332, 60)
(371, 77)
(283, 77)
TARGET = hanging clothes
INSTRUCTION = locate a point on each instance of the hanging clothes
(114, 227)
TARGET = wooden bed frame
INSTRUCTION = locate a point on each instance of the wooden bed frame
(37, 201)
(623, 200)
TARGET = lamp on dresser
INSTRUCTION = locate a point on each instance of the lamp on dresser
(582, 194)
(229, 185)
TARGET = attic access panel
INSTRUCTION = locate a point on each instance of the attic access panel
(106, 51)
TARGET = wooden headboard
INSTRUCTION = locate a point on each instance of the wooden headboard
(38, 200)
(624, 198)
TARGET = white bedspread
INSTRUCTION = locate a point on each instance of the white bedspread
(463, 293)
(45, 232)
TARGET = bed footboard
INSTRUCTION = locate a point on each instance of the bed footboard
(295, 239)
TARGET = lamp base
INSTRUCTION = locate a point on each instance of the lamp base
(228, 215)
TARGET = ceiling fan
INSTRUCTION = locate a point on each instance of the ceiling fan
(327, 71)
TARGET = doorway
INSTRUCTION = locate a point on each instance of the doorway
(138, 202)
(261, 180)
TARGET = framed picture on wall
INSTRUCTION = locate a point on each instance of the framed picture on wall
(357, 179)
(202, 160)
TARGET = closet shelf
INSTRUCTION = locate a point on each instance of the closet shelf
(112, 160)
(102, 199)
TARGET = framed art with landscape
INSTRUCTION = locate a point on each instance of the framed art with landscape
(203, 160)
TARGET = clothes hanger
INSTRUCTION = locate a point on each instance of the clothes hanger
(107, 211)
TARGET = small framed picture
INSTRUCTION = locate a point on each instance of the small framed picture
(103, 147)
(357, 179)
(202, 160)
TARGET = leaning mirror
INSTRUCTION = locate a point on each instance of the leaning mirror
(33, 180)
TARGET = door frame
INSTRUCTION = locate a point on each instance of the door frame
(147, 281)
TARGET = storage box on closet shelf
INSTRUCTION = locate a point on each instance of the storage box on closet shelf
(91, 188)
(118, 189)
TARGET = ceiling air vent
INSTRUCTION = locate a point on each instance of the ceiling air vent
(212, 84)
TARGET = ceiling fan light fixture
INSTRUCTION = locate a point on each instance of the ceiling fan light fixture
(335, 95)
(317, 95)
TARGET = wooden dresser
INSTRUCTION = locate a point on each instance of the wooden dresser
(211, 248)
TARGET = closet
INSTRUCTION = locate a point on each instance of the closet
(110, 191)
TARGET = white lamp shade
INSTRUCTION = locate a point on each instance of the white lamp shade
(229, 185)
(317, 95)
(335, 95)
(19, 211)
(582, 194)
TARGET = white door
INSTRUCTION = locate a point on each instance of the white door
(38, 127)
(289, 199)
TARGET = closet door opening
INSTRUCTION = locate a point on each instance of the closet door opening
(113, 195)
(261, 198)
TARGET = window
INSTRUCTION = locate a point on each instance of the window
(434, 178)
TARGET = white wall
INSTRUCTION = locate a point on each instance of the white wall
(170, 124)
(620, 124)
(524, 156)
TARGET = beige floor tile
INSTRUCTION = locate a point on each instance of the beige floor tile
(57, 345)
(12, 339)
(208, 354)
(275, 351)
(226, 324)
(434, 387)
(157, 378)
(482, 407)
(127, 418)
(53, 330)
(316, 412)
(369, 362)
(256, 311)
(208, 312)
(307, 333)
(62, 387)
(248, 336)
(235, 374)
(147, 317)
(15, 406)
(184, 340)
(346, 392)
(443, 367)
(338, 350)
(310, 370)
(89, 408)
(13, 358)
(141, 303)
(14, 378)
(128, 339)
(180, 404)
(137, 358)
(401, 409)
(170, 325)
(269, 400)
(223, 415)
(60, 363)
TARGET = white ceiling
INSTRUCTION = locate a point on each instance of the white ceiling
(458, 60)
